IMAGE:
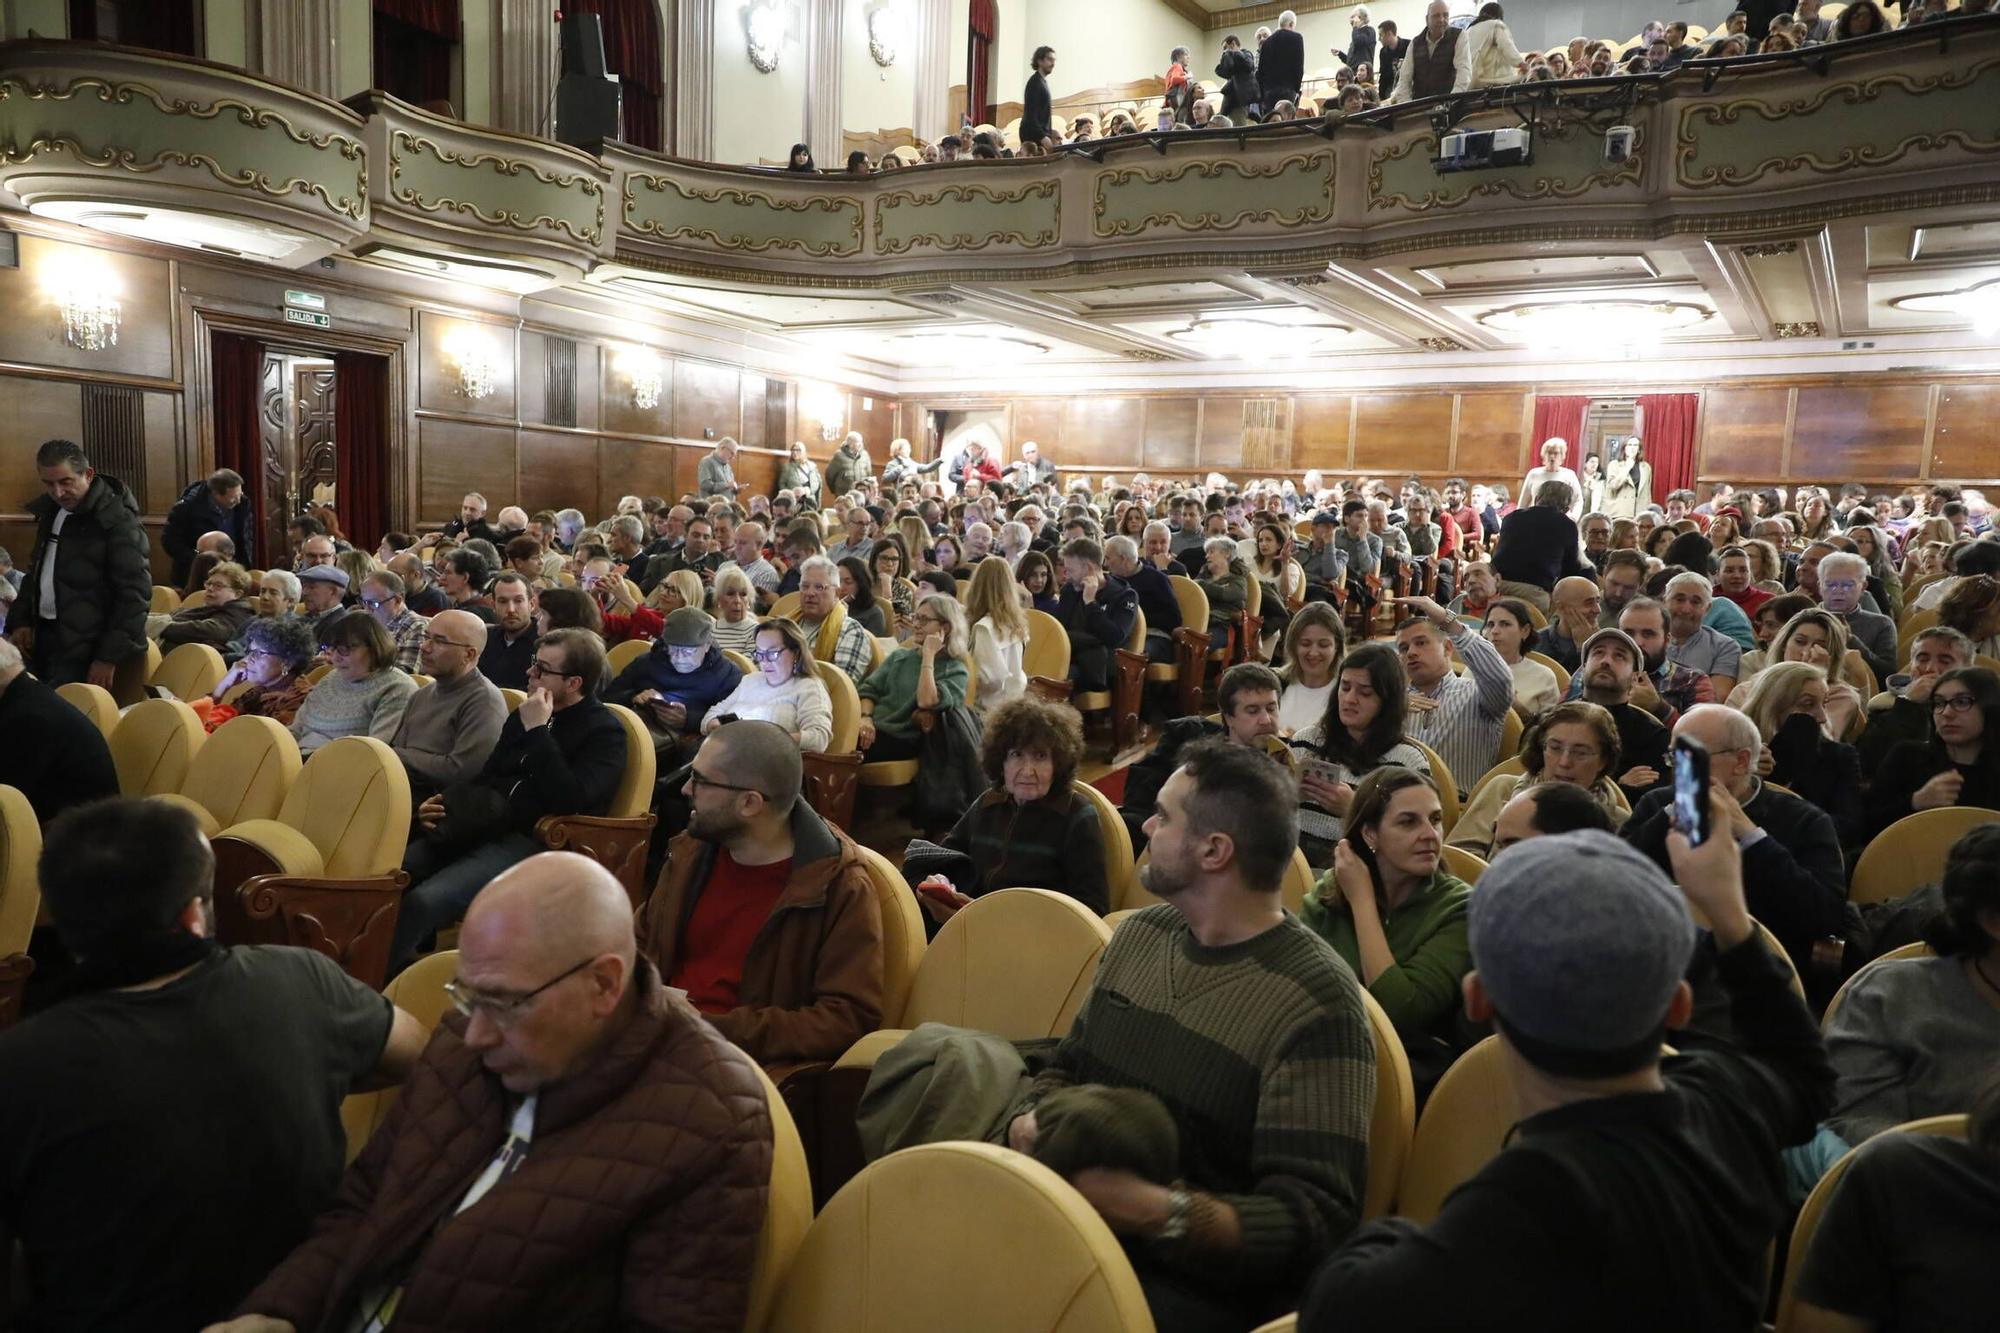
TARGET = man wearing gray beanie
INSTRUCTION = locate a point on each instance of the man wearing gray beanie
(1638, 1190)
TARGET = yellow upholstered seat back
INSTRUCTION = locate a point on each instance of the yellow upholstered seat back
(785, 608)
(1047, 651)
(1465, 1124)
(1442, 779)
(1912, 851)
(244, 770)
(190, 672)
(1027, 1253)
(153, 745)
(418, 990)
(788, 1210)
(1017, 962)
(20, 888)
(94, 702)
(623, 655)
(635, 786)
(1393, 1122)
(902, 932)
(1119, 867)
(352, 802)
(846, 702)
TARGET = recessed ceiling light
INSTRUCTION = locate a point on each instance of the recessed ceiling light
(1259, 336)
(1979, 303)
(212, 232)
(1595, 324)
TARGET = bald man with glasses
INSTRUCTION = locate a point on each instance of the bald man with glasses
(450, 727)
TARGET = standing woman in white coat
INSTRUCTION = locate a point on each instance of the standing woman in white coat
(1628, 481)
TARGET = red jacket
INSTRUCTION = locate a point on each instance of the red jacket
(638, 1206)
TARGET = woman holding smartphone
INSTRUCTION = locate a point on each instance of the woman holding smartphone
(1361, 731)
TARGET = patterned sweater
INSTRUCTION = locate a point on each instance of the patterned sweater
(1262, 1052)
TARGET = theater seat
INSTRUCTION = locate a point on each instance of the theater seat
(327, 872)
(1947, 1126)
(1916, 950)
(1190, 662)
(165, 601)
(1287, 1324)
(616, 839)
(153, 745)
(94, 702)
(738, 660)
(243, 771)
(1045, 657)
(785, 608)
(966, 1237)
(788, 1212)
(515, 698)
(1464, 1126)
(1392, 1124)
(1128, 681)
(622, 655)
(830, 776)
(418, 990)
(189, 672)
(1911, 852)
(20, 898)
(1441, 777)
(1464, 864)
(1119, 867)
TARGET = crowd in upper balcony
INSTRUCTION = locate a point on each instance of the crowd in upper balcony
(1380, 66)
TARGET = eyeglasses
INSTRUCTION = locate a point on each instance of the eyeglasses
(697, 780)
(540, 668)
(1557, 750)
(503, 1010)
(762, 655)
(435, 642)
(1953, 703)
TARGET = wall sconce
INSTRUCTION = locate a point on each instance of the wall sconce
(641, 368)
(824, 404)
(478, 365)
(89, 305)
(764, 24)
(885, 34)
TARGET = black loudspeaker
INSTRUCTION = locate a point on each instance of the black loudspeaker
(588, 98)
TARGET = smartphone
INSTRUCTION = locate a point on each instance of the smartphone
(1691, 789)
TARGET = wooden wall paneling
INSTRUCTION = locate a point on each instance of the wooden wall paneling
(875, 418)
(1966, 443)
(166, 474)
(618, 414)
(37, 410)
(758, 469)
(755, 431)
(440, 386)
(454, 457)
(708, 401)
(1743, 431)
(533, 380)
(1490, 437)
(641, 468)
(590, 397)
(1219, 442)
(32, 334)
(557, 470)
(1860, 432)
(1172, 426)
(1321, 428)
(1040, 420)
(1406, 432)
(1099, 433)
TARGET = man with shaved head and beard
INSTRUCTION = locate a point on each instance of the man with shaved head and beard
(617, 1148)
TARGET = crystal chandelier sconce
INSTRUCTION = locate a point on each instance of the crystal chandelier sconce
(642, 370)
(478, 368)
(90, 310)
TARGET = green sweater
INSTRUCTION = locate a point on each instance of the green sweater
(893, 687)
(1427, 935)
(1262, 1053)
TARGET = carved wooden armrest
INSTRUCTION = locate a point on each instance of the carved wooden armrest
(619, 845)
(352, 921)
(1049, 689)
(829, 785)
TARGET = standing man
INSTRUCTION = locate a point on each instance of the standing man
(82, 608)
(215, 505)
(1037, 124)
(848, 468)
(1034, 469)
(1238, 71)
(1389, 54)
(1281, 67)
(1538, 545)
(1429, 65)
(717, 474)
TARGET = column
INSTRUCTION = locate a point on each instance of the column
(822, 118)
(691, 80)
(529, 47)
(296, 45)
(931, 43)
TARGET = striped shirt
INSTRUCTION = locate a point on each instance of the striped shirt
(1464, 728)
(1262, 1053)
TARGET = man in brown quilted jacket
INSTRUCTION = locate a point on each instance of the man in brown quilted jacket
(576, 1149)
(764, 913)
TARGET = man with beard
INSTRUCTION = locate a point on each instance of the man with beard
(1678, 688)
(1610, 676)
(696, 551)
(1624, 575)
(764, 913)
(510, 640)
(1250, 1030)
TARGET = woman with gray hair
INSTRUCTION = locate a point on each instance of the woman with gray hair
(1226, 580)
(1014, 540)
(928, 674)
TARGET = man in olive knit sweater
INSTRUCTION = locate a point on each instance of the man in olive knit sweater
(1251, 1030)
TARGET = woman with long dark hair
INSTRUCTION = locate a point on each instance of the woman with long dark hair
(1361, 731)
(1958, 765)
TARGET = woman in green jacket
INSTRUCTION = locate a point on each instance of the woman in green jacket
(1390, 909)
(926, 675)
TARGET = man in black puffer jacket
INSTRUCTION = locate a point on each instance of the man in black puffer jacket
(214, 505)
(82, 609)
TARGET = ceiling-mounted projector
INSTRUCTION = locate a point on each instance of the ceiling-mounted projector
(1477, 150)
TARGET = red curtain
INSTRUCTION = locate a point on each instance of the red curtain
(436, 17)
(236, 381)
(984, 27)
(1666, 425)
(413, 42)
(361, 446)
(1557, 416)
(632, 51)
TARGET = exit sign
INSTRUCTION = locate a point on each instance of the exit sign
(312, 319)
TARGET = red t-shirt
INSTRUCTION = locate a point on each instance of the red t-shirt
(733, 907)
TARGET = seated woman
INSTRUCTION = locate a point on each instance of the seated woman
(1313, 644)
(276, 597)
(735, 626)
(1820, 638)
(999, 633)
(567, 608)
(1284, 582)
(783, 690)
(1361, 731)
(889, 579)
(1576, 742)
(1030, 830)
(678, 589)
(364, 694)
(1958, 765)
(1390, 909)
(1226, 580)
(221, 615)
(945, 556)
(927, 673)
(275, 652)
(1035, 574)
(858, 591)
(1916, 1037)
(1788, 704)
(1510, 630)
(1770, 617)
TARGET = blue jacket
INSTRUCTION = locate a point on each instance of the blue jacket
(1156, 598)
(1107, 621)
(698, 690)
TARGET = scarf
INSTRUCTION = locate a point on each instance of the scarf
(828, 637)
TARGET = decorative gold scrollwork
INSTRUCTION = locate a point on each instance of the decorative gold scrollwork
(505, 166)
(1320, 210)
(966, 240)
(832, 206)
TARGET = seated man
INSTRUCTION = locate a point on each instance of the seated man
(1099, 611)
(1694, 646)
(1547, 808)
(201, 1082)
(510, 641)
(1251, 1030)
(449, 728)
(1459, 716)
(1631, 1172)
(764, 913)
(1246, 698)
(1675, 688)
(695, 551)
(631, 1199)
(1324, 562)
(53, 754)
(1154, 591)
(746, 547)
(1613, 677)
(832, 634)
(1573, 610)
(1843, 581)
(420, 593)
(1792, 864)
(382, 595)
(561, 753)
(1905, 715)
(1360, 554)
(674, 684)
